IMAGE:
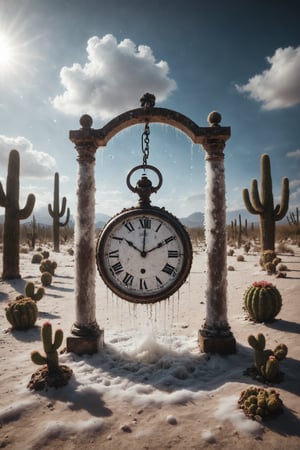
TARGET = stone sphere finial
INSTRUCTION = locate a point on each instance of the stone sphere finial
(147, 100)
(86, 121)
(214, 118)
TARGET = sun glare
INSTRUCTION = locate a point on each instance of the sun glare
(6, 53)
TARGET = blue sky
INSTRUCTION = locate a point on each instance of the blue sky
(62, 58)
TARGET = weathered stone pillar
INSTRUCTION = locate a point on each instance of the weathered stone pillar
(215, 336)
(86, 335)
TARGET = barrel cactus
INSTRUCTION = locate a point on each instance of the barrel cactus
(258, 403)
(36, 258)
(262, 301)
(46, 278)
(22, 314)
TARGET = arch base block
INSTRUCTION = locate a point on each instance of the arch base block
(225, 345)
(81, 345)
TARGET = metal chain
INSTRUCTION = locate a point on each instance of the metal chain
(145, 143)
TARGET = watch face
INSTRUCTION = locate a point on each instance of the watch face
(144, 256)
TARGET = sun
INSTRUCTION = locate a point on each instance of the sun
(7, 53)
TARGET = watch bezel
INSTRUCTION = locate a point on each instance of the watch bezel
(133, 296)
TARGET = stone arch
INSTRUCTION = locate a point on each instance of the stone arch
(215, 335)
(154, 115)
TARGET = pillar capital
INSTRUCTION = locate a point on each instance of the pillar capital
(84, 140)
(86, 152)
(214, 148)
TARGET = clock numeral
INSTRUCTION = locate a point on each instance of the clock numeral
(158, 280)
(114, 254)
(143, 284)
(169, 239)
(170, 270)
(117, 268)
(173, 253)
(117, 238)
(129, 226)
(158, 227)
(128, 279)
(145, 223)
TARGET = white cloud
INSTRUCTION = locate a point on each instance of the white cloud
(294, 184)
(295, 154)
(113, 79)
(33, 164)
(279, 86)
(294, 194)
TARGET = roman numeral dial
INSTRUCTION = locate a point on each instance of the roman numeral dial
(144, 256)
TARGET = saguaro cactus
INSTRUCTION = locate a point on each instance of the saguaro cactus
(264, 205)
(51, 374)
(56, 214)
(32, 234)
(50, 348)
(13, 215)
(293, 221)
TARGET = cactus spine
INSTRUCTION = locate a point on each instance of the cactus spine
(50, 348)
(262, 301)
(13, 215)
(264, 204)
(56, 214)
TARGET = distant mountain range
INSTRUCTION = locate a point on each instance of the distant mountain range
(197, 219)
(192, 221)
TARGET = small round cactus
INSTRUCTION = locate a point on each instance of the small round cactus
(260, 402)
(36, 258)
(262, 301)
(48, 266)
(270, 268)
(46, 279)
(22, 314)
(267, 256)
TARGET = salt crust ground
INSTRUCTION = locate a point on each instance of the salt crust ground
(150, 388)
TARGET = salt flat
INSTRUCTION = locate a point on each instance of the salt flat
(150, 387)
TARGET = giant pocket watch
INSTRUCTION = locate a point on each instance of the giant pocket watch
(144, 254)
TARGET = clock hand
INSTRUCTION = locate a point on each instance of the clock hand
(131, 244)
(144, 240)
(159, 245)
